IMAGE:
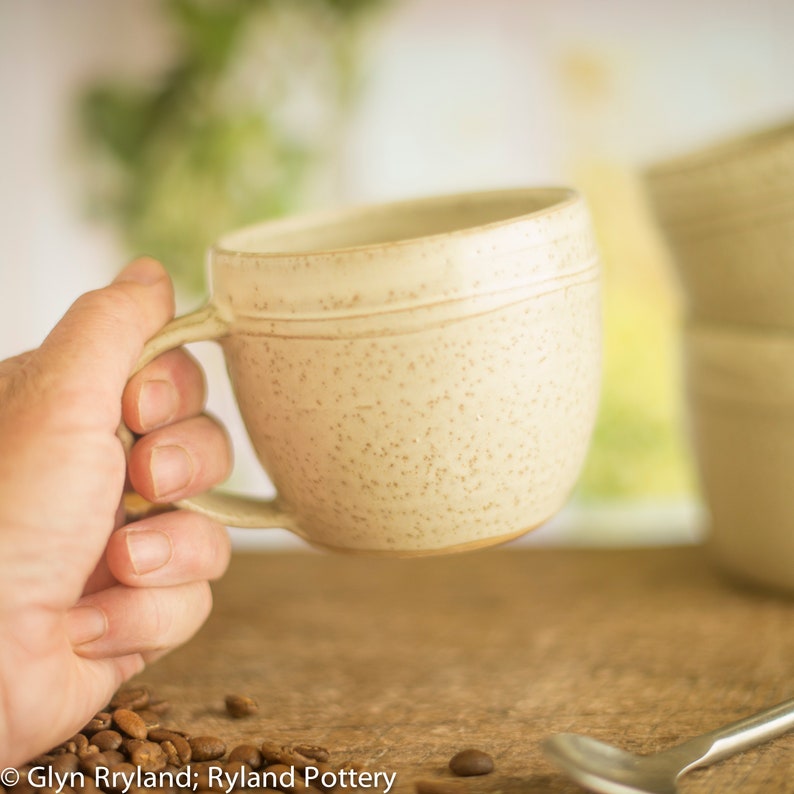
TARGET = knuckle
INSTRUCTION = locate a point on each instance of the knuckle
(160, 618)
(112, 301)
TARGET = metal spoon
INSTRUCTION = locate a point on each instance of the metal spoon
(600, 767)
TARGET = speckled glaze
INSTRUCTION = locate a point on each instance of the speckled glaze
(415, 378)
(727, 213)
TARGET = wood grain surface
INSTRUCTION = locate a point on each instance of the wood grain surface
(398, 664)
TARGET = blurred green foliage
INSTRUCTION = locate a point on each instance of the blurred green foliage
(216, 142)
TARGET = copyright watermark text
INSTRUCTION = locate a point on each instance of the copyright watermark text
(9, 777)
(217, 778)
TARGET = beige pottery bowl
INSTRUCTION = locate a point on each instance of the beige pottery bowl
(727, 213)
(740, 386)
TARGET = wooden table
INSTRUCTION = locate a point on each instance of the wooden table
(398, 664)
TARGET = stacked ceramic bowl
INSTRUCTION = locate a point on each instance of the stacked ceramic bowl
(727, 214)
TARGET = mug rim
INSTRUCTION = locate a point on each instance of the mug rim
(560, 197)
(723, 149)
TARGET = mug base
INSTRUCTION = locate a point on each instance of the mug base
(471, 545)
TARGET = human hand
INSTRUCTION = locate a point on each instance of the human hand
(84, 601)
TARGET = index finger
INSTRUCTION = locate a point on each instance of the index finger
(100, 338)
(168, 389)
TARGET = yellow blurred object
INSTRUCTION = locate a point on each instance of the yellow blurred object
(638, 449)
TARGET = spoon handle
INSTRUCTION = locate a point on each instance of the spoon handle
(748, 732)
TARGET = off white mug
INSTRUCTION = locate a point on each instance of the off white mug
(417, 377)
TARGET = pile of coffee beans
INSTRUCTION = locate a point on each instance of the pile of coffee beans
(128, 744)
(129, 748)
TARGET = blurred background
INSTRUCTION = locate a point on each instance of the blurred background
(154, 125)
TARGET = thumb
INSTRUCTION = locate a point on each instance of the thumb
(98, 341)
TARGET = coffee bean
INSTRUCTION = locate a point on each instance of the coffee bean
(238, 772)
(470, 762)
(171, 755)
(149, 756)
(133, 698)
(183, 750)
(289, 757)
(150, 719)
(240, 706)
(312, 751)
(65, 764)
(206, 748)
(92, 749)
(248, 754)
(272, 753)
(124, 768)
(107, 740)
(177, 740)
(100, 722)
(114, 757)
(129, 723)
(128, 744)
(160, 734)
(279, 770)
(80, 742)
(93, 761)
(89, 785)
(202, 766)
(201, 778)
(119, 772)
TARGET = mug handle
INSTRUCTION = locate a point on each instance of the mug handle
(206, 324)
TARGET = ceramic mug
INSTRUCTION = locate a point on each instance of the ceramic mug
(417, 377)
(727, 212)
(740, 384)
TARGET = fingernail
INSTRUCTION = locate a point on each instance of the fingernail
(85, 624)
(149, 549)
(172, 470)
(144, 270)
(157, 403)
